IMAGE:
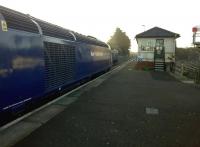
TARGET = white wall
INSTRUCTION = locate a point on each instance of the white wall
(146, 48)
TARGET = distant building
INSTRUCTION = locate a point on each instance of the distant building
(157, 46)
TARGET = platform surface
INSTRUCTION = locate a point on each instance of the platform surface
(131, 108)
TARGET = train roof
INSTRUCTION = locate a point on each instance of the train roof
(89, 40)
(17, 20)
(24, 22)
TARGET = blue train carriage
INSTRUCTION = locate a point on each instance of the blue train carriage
(37, 58)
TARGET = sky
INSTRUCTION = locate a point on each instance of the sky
(99, 18)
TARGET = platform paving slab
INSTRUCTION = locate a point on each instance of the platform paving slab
(19, 131)
(45, 114)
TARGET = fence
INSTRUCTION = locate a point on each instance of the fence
(189, 70)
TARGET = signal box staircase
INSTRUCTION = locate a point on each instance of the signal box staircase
(159, 60)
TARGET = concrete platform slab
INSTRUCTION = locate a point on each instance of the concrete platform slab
(45, 114)
(66, 100)
(17, 132)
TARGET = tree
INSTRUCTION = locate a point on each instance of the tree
(120, 41)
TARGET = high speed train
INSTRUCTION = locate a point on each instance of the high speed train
(38, 58)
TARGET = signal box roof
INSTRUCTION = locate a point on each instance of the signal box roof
(157, 32)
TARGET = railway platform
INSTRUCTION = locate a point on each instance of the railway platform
(125, 108)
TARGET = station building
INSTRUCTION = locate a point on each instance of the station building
(156, 48)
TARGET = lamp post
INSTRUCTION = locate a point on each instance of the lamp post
(144, 27)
